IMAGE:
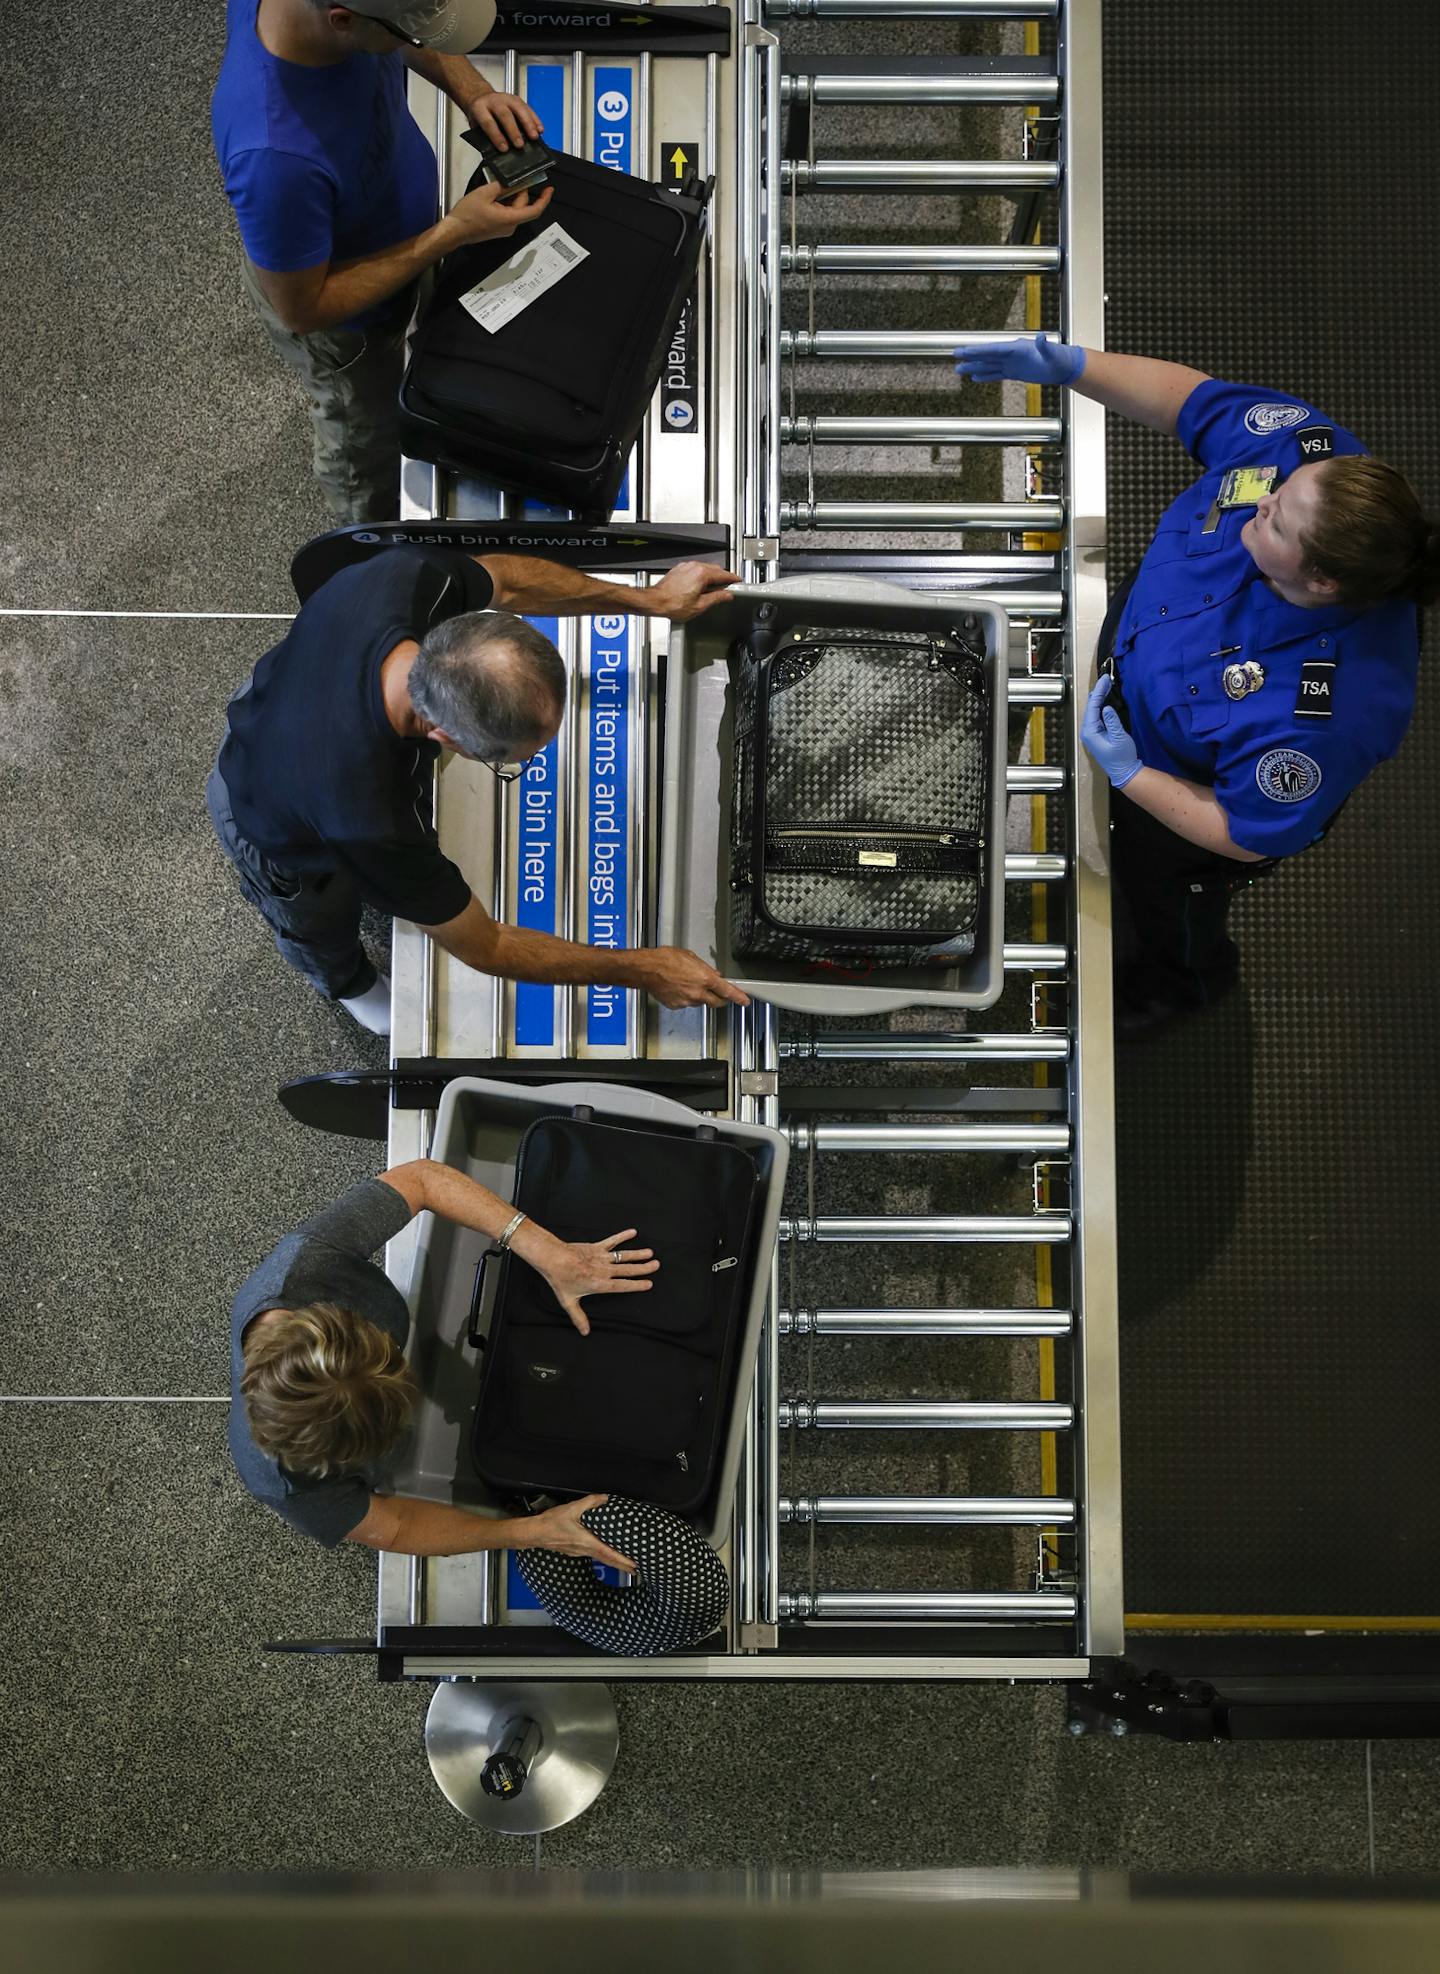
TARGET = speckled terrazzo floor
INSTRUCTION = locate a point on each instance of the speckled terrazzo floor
(157, 460)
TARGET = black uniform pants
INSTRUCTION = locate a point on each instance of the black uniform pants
(1172, 898)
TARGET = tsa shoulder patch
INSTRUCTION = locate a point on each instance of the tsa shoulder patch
(1286, 775)
(1262, 419)
(1316, 442)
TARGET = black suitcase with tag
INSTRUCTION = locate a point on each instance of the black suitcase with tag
(641, 1406)
(860, 792)
(550, 402)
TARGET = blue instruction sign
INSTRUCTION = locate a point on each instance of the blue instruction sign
(537, 875)
(607, 872)
(614, 88)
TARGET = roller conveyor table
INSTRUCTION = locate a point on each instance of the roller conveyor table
(574, 848)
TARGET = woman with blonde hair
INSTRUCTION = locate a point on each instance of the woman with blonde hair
(321, 1395)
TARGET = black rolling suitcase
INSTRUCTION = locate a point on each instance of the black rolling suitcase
(550, 402)
(860, 793)
(642, 1405)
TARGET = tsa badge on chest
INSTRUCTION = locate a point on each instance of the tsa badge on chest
(1241, 680)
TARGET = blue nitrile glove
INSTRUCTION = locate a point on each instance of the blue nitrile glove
(1025, 359)
(1106, 741)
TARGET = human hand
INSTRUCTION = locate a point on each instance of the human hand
(490, 213)
(596, 1268)
(505, 120)
(1106, 741)
(689, 589)
(1025, 359)
(679, 979)
(562, 1530)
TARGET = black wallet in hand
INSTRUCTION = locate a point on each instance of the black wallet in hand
(516, 171)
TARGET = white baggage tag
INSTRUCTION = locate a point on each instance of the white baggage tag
(522, 279)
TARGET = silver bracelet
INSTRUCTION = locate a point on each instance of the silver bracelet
(510, 1232)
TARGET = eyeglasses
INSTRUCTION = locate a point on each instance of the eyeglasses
(509, 770)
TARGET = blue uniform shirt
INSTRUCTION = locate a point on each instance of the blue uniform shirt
(1278, 775)
(320, 164)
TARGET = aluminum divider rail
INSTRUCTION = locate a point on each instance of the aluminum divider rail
(446, 1617)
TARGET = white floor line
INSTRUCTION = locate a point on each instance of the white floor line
(107, 1398)
(225, 616)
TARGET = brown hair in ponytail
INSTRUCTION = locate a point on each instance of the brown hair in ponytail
(1371, 536)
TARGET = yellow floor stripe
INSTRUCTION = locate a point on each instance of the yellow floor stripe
(1242, 1621)
(1039, 922)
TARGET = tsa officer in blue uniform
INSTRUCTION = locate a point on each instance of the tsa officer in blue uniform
(1258, 665)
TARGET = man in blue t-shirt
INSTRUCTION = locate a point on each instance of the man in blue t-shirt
(335, 191)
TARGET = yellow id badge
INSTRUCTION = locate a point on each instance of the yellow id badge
(1244, 485)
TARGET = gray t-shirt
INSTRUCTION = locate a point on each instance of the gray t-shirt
(326, 1260)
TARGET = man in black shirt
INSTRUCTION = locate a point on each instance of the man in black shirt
(321, 794)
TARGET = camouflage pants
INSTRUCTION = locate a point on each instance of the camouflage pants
(351, 380)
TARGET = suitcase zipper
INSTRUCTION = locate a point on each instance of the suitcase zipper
(909, 835)
(730, 1261)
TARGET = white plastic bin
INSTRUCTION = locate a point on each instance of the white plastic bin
(478, 1129)
(694, 878)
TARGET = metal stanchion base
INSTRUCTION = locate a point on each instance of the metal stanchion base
(579, 1738)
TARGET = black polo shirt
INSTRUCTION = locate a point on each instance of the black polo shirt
(317, 776)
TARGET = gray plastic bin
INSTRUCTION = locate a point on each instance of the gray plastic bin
(478, 1129)
(694, 853)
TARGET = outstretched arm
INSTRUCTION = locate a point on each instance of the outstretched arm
(527, 583)
(572, 1268)
(1138, 387)
(676, 978)
(402, 1526)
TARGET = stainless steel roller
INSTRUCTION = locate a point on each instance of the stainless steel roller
(920, 431)
(930, 1510)
(925, 1322)
(1034, 778)
(919, 260)
(1000, 514)
(919, 175)
(1035, 867)
(1019, 604)
(913, 91)
(1022, 957)
(949, 1045)
(846, 345)
(1016, 1415)
(1011, 1138)
(1036, 689)
(873, 1606)
(920, 1227)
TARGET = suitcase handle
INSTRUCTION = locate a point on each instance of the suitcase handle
(477, 1296)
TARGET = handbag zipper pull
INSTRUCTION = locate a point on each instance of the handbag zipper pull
(730, 1261)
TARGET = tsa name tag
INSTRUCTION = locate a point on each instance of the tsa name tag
(1315, 697)
(1242, 486)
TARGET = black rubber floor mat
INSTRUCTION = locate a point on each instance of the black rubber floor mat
(1264, 220)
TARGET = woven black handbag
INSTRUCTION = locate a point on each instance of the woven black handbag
(860, 795)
